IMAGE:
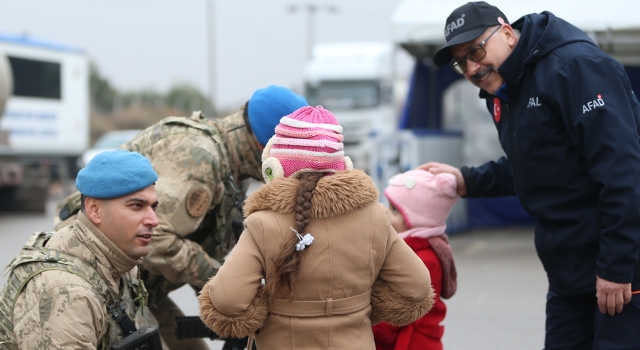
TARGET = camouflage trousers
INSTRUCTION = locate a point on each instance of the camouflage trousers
(164, 314)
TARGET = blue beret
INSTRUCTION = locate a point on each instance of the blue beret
(114, 174)
(267, 106)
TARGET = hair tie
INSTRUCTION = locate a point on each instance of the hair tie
(305, 240)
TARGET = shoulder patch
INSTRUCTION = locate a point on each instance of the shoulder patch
(497, 109)
(197, 202)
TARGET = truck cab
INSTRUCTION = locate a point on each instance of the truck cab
(44, 117)
(355, 81)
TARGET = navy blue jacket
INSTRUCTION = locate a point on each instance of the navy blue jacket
(570, 131)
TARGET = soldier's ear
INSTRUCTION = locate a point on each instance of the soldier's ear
(260, 146)
(92, 208)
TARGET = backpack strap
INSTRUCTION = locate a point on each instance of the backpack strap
(42, 259)
(48, 260)
(119, 313)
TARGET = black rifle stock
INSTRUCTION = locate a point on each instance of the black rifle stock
(145, 338)
(192, 327)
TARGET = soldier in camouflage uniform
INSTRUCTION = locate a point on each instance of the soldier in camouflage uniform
(201, 163)
(63, 289)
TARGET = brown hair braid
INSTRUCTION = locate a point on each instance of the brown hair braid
(288, 260)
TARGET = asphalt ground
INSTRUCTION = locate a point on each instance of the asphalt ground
(501, 284)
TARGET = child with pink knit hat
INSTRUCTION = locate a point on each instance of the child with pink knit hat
(420, 202)
(315, 233)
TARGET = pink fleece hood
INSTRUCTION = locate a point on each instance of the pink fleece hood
(424, 199)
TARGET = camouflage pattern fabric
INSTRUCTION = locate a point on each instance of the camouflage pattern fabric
(66, 211)
(58, 294)
(196, 160)
(199, 163)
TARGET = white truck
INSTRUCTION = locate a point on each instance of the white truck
(355, 81)
(44, 127)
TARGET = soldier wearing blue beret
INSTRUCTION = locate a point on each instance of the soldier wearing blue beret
(87, 272)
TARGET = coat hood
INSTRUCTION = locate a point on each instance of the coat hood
(334, 195)
(540, 34)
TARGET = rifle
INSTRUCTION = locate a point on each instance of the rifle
(145, 338)
(192, 327)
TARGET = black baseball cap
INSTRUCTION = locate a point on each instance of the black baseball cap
(466, 23)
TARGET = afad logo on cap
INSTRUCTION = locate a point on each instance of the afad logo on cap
(454, 25)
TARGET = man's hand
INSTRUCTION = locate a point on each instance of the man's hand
(439, 168)
(612, 296)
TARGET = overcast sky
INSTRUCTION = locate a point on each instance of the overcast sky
(155, 43)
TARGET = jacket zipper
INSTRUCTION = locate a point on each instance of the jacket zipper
(514, 143)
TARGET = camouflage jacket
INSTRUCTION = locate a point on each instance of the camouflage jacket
(197, 160)
(69, 309)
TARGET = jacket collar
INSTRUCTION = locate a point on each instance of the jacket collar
(334, 195)
(242, 146)
(104, 250)
(540, 35)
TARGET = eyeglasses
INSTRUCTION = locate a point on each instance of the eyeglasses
(476, 53)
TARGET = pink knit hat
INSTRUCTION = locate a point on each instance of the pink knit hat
(423, 199)
(307, 140)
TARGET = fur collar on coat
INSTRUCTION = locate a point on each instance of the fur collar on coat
(334, 195)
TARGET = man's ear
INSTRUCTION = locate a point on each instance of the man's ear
(92, 207)
(512, 39)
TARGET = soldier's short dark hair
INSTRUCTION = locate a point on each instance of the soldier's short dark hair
(82, 199)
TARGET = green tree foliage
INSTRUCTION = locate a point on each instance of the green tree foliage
(107, 99)
(112, 109)
(103, 95)
(187, 97)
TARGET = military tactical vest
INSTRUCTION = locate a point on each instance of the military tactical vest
(35, 258)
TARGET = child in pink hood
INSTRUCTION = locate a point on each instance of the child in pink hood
(420, 202)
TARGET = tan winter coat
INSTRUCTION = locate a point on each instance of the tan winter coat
(332, 308)
(60, 310)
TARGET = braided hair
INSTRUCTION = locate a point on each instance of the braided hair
(287, 262)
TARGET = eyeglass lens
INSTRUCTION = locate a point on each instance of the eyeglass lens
(475, 54)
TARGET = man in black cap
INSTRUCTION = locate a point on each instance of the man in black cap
(569, 124)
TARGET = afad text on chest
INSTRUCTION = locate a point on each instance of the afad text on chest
(533, 102)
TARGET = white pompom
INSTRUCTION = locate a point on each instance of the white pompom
(348, 164)
(272, 169)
